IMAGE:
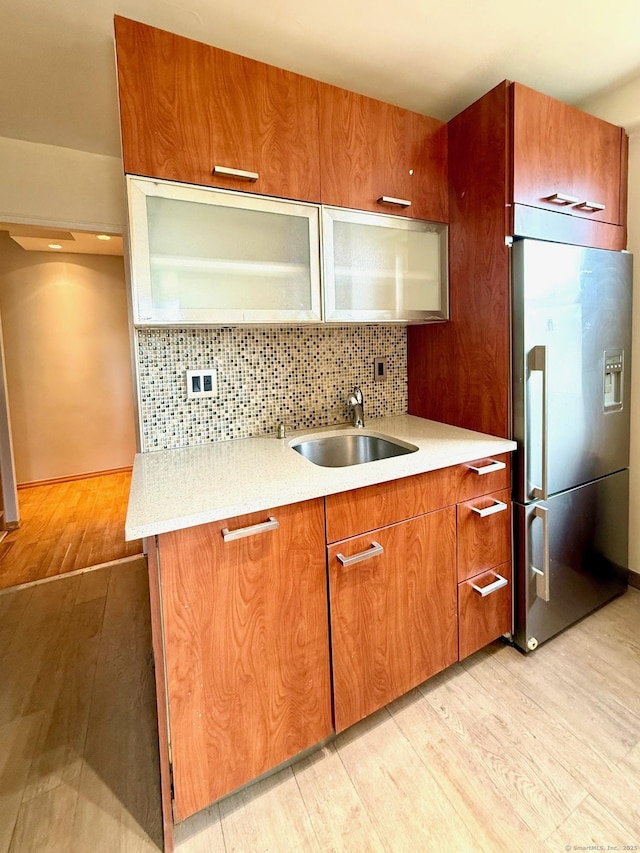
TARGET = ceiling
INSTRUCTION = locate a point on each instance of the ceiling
(36, 238)
(58, 72)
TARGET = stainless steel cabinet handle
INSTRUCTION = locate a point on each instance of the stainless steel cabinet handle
(494, 465)
(590, 206)
(562, 198)
(228, 172)
(542, 575)
(538, 362)
(401, 202)
(498, 583)
(375, 551)
(242, 532)
(496, 506)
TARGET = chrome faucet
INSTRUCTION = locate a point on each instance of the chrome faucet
(357, 403)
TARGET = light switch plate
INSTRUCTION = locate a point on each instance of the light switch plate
(202, 383)
(380, 369)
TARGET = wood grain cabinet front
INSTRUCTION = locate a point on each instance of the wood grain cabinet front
(379, 157)
(246, 647)
(484, 533)
(484, 609)
(194, 113)
(510, 152)
(393, 612)
(565, 159)
(392, 583)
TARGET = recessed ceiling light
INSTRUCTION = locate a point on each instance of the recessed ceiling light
(103, 236)
(55, 246)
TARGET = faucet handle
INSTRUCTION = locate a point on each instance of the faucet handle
(357, 394)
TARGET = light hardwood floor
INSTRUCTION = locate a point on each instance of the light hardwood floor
(500, 753)
(67, 526)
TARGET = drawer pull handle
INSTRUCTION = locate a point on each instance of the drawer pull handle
(228, 172)
(400, 202)
(590, 206)
(494, 465)
(253, 530)
(375, 551)
(496, 506)
(561, 198)
(498, 583)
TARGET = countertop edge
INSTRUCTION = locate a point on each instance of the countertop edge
(465, 446)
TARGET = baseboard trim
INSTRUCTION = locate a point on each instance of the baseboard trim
(634, 580)
(108, 565)
(72, 477)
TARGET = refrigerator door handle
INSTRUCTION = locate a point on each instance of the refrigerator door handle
(538, 362)
(542, 575)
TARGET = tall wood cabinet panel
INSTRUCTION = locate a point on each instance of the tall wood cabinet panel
(506, 152)
(371, 150)
(459, 371)
(393, 615)
(186, 107)
(246, 646)
(558, 149)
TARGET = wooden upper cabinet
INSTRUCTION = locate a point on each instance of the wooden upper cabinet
(186, 107)
(558, 149)
(372, 150)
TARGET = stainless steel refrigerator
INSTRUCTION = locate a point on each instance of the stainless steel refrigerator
(571, 372)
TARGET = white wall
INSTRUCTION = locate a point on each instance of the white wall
(51, 185)
(622, 106)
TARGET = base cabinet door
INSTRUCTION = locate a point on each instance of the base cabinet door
(244, 611)
(393, 611)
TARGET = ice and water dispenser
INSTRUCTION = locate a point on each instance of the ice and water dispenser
(613, 379)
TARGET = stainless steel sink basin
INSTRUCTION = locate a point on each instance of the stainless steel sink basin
(350, 448)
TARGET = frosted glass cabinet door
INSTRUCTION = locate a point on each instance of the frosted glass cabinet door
(381, 268)
(205, 256)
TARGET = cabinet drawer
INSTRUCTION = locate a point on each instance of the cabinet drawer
(484, 533)
(393, 612)
(358, 510)
(483, 476)
(483, 618)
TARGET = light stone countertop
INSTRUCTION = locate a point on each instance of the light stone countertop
(186, 486)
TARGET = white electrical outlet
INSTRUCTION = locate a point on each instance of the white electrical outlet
(202, 383)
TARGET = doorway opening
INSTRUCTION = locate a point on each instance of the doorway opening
(67, 416)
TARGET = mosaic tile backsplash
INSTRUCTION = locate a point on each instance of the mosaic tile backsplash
(300, 376)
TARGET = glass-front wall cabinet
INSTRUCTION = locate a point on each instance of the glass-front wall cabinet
(205, 256)
(382, 268)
